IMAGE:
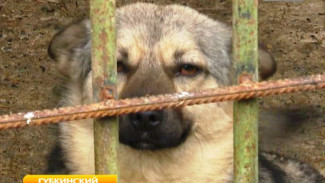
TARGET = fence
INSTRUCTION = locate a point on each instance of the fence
(245, 55)
(104, 80)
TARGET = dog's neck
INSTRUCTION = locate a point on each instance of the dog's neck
(196, 160)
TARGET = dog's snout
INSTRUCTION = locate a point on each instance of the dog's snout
(147, 120)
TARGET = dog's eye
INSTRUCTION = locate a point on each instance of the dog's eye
(188, 70)
(121, 67)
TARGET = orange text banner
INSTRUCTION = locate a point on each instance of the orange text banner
(70, 179)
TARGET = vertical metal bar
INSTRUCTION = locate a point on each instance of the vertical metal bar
(102, 13)
(245, 46)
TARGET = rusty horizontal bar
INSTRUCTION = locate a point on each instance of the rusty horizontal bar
(125, 106)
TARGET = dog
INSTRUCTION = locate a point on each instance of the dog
(162, 50)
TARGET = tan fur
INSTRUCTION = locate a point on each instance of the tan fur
(178, 42)
(134, 44)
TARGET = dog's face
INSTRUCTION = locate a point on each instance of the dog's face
(160, 50)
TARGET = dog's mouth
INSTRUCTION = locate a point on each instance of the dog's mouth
(144, 146)
(149, 141)
(144, 141)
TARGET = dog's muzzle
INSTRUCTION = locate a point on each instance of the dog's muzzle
(152, 130)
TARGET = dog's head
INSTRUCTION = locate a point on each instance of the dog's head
(164, 50)
(160, 50)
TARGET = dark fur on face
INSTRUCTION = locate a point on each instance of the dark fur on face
(151, 129)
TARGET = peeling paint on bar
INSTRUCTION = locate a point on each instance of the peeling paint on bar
(245, 111)
(102, 14)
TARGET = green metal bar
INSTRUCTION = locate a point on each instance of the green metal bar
(102, 13)
(245, 46)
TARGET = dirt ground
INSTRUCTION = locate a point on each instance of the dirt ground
(294, 32)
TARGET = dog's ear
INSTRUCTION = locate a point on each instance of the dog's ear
(71, 48)
(266, 64)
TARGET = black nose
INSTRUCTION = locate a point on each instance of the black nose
(147, 120)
